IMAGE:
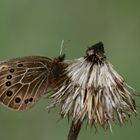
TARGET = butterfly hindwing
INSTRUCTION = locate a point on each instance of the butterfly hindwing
(23, 81)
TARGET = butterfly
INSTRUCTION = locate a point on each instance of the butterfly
(24, 80)
(87, 87)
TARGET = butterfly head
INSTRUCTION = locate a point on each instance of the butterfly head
(60, 58)
(95, 53)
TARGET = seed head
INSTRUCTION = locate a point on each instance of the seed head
(92, 89)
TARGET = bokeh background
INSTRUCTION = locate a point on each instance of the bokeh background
(31, 27)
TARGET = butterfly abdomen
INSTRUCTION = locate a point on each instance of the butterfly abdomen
(57, 72)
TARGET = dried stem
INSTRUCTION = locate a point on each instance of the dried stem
(74, 130)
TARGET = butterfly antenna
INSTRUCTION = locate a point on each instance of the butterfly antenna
(62, 47)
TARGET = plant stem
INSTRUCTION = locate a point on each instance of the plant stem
(74, 130)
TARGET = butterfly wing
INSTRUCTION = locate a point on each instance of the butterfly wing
(23, 81)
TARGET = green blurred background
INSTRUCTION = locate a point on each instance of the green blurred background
(31, 27)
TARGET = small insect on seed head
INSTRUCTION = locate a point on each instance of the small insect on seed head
(95, 53)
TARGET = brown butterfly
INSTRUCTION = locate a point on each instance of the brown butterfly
(24, 80)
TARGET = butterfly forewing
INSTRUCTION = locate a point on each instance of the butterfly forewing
(23, 81)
